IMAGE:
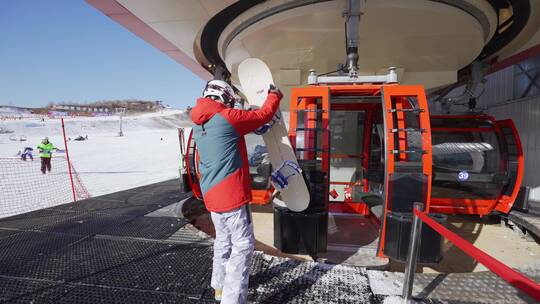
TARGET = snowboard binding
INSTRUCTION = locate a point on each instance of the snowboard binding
(280, 177)
(264, 128)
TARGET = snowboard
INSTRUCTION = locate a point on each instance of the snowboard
(255, 78)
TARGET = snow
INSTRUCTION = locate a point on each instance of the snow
(532, 270)
(282, 280)
(147, 153)
(393, 300)
(385, 283)
(9, 111)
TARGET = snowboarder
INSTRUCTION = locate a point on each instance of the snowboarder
(45, 149)
(26, 153)
(225, 181)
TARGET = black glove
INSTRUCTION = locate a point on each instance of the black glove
(275, 90)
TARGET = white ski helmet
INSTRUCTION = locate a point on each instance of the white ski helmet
(221, 91)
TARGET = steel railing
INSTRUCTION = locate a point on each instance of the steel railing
(513, 277)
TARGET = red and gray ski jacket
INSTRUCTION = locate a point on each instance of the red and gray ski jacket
(219, 134)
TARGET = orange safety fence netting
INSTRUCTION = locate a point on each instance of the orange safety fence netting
(24, 188)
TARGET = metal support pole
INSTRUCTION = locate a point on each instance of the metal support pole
(121, 133)
(412, 256)
(182, 142)
(352, 15)
(68, 161)
(120, 112)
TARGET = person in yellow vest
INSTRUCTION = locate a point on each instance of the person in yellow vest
(45, 149)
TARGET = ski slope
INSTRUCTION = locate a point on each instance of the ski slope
(147, 153)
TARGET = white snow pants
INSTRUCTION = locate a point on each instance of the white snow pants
(233, 250)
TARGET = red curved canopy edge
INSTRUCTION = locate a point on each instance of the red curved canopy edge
(516, 58)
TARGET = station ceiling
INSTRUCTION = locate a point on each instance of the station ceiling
(428, 40)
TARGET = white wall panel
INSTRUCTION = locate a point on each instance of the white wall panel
(499, 88)
(526, 116)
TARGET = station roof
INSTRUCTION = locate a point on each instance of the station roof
(428, 40)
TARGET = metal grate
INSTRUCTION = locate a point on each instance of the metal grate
(479, 287)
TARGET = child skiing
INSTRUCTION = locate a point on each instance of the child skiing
(26, 153)
(45, 149)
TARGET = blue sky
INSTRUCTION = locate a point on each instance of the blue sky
(66, 50)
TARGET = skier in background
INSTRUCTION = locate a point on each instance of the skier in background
(45, 149)
(26, 153)
(258, 156)
(225, 181)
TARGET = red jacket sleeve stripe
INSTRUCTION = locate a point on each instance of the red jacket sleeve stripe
(247, 121)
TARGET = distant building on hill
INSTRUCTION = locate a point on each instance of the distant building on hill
(80, 108)
(108, 107)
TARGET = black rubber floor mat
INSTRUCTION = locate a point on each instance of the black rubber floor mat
(148, 227)
(101, 294)
(133, 210)
(38, 213)
(84, 259)
(168, 268)
(20, 250)
(14, 290)
(94, 204)
(36, 219)
(168, 186)
(7, 233)
(112, 208)
(188, 235)
(121, 197)
(87, 224)
(160, 198)
(147, 195)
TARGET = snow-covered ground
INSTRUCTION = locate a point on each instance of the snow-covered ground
(13, 111)
(147, 153)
